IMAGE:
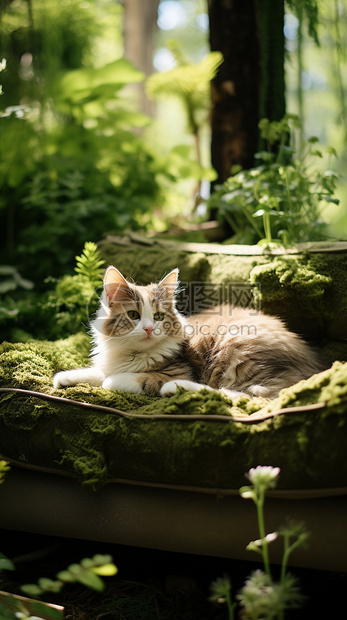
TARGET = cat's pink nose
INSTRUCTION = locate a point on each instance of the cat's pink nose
(148, 329)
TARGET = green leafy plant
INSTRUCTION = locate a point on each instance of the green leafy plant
(71, 160)
(88, 572)
(280, 200)
(75, 297)
(190, 83)
(100, 179)
(262, 598)
(221, 593)
(54, 313)
(16, 293)
(11, 282)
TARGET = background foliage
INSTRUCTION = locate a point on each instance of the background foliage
(282, 198)
(78, 160)
(72, 167)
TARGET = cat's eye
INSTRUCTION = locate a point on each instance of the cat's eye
(159, 316)
(133, 314)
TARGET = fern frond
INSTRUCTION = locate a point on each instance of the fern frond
(187, 80)
(89, 265)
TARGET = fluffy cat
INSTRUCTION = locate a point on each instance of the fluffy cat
(142, 344)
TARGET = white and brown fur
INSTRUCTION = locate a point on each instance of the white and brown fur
(227, 350)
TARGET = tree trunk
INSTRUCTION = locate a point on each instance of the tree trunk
(140, 21)
(250, 82)
(270, 17)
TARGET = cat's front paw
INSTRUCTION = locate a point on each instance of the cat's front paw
(92, 376)
(65, 378)
(170, 387)
(124, 381)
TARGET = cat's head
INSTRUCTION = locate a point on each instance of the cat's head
(140, 316)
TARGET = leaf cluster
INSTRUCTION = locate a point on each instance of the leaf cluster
(11, 281)
(62, 310)
(189, 81)
(6, 563)
(281, 199)
(4, 467)
(261, 598)
(88, 573)
(75, 298)
(221, 592)
(71, 165)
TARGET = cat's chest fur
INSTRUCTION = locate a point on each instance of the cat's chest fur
(119, 359)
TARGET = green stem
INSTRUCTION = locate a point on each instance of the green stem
(255, 226)
(229, 605)
(253, 223)
(267, 226)
(291, 225)
(285, 558)
(288, 549)
(286, 553)
(261, 525)
(288, 192)
(281, 147)
(255, 189)
(231, 222)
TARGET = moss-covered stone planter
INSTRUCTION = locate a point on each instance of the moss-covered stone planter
(194, 442)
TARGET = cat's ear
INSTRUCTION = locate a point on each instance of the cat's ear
(116, 287)
(170, 281)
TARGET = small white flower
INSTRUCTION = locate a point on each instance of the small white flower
(268, 538)
(3, 64)
(247, 494)
(256, 545)
(263, 476)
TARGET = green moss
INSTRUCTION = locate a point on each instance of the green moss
(31, 365)
(149, 263)
(290, 286)
(225, 269)
(334, 266)
(317, 389)
(204, 402)
(309, 291)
